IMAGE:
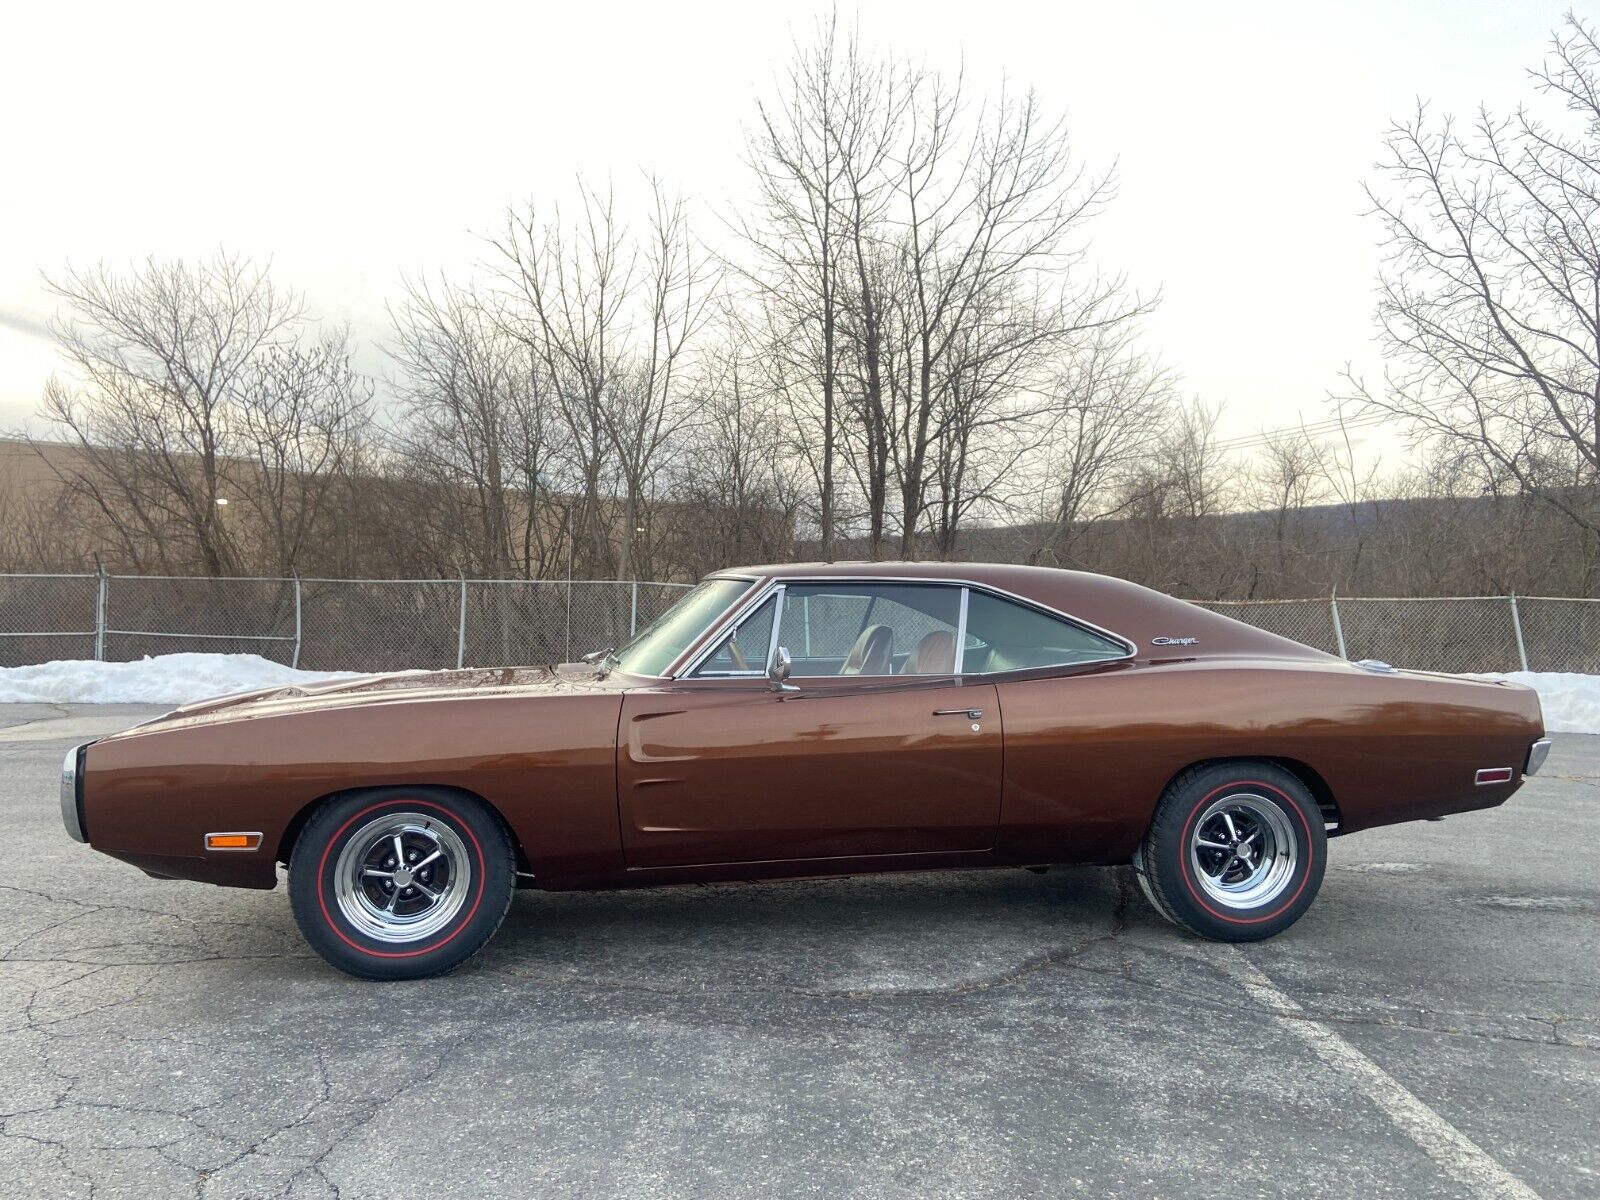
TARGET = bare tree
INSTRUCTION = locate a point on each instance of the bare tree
(818, 151)
(195, 388)
(1171, 533)
(1283, 480)
(1490, 290)
(477, 427)
(734, 487)
(1107, 406)
(612, 321)
(993, 284)
(1356, 490)
(797, 155)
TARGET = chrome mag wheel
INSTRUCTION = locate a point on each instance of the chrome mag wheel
(402, 877)
(1243, 850)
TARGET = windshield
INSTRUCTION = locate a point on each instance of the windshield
(654, 647)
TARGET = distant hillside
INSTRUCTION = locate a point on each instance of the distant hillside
(1407, 546)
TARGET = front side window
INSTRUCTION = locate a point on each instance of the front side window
(1005, 636)
(658, 644)
(744, 650)
(847, 629)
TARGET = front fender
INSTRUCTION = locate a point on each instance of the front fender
(546, 763)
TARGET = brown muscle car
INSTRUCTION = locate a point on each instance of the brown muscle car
(807, 720)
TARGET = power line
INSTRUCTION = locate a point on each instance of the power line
(1309, 429)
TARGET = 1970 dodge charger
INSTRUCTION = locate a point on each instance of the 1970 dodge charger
(807, 720)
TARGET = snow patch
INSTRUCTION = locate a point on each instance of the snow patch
(164, 679)
(1571, 703)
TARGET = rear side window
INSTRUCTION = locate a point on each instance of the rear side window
(870, 628)
(1006, 636)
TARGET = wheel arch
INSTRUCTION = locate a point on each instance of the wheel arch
(297, 823)
(1314, 783)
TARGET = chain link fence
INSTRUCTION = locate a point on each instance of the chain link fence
(1439, 633)
(322, 624)
(394, 624)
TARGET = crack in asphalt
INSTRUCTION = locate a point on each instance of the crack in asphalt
(58, 710)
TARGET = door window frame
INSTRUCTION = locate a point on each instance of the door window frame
(778, 586)
(747, 614)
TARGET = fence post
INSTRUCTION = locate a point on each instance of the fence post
(633, 611)
(100, 616)
(1338, 627)
(1516, 624)
(567, 656)
(461, 626)
(295, 662)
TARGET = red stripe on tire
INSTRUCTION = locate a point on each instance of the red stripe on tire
(1183, 855)
(322, 865)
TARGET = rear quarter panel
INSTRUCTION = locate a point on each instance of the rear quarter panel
(545, 762)
(1087, 757)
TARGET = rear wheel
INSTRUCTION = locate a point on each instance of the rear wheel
(1236, 851)
(401, 883)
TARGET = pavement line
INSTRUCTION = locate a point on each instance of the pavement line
(1441, 1141)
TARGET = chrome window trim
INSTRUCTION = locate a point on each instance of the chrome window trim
(777, 624)
(780, 582)
(961, 632)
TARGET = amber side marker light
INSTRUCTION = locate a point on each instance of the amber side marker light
(233, 841)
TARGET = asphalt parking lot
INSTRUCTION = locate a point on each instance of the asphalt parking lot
(1428, 1030)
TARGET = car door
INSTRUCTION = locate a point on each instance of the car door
(880, 752)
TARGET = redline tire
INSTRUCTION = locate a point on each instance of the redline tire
(401, 882)
(1235, 853)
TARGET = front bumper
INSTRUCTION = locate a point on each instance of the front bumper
(72, 793)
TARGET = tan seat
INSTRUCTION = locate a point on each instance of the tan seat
(873, 653)
(935, 655)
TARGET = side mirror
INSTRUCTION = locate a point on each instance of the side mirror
(778, 671)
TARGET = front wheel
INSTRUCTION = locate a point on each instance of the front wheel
(401, 883)
(1235, 853)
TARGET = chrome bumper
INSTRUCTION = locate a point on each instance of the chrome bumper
(72, 793)
(1537, 753)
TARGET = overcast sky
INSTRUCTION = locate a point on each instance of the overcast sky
(352, 143)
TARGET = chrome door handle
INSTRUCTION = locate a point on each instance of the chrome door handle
(971, 714)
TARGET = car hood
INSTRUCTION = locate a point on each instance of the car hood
(403, 686)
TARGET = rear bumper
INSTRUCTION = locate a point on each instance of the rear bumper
(1537, 753)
